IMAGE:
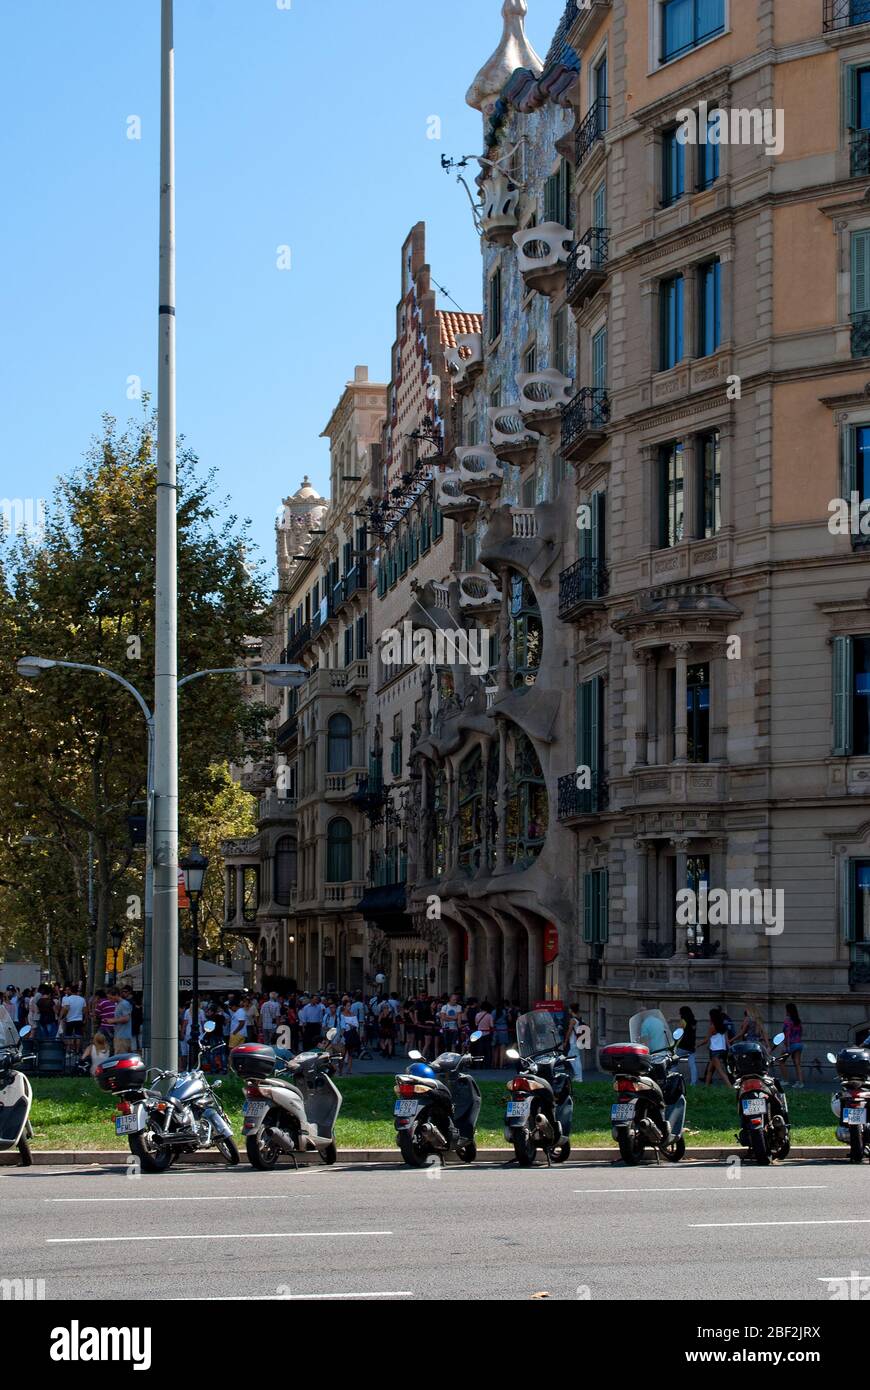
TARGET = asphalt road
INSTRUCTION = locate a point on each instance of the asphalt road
(584, 1231)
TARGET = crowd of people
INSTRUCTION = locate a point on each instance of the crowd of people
(91, 1029)
(722, 1033)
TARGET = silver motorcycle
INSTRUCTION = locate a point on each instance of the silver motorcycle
(16, 1095)
(166, 1113)
(291, 1103)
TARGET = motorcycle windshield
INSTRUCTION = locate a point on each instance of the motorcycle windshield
(322, 1105)
(537, 1033)
(651, 1029)
(8, 1032)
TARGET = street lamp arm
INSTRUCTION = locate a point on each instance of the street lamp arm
(112, 675)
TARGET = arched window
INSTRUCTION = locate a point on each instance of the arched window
(471, 810)
(526, 632)
(339, 851)
(285, 870)
(339, 741)
(527, 807)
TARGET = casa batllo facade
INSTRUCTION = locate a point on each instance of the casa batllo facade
(636, 465)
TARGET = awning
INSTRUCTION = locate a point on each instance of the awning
(211, 977)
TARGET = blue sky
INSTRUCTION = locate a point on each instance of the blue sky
(303, 127)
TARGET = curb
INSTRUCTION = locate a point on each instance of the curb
(117, 1158)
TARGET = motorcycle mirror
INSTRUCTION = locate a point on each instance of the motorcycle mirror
(513, 1054)
(476, 1037)
(415, 1055)
(216, 1085)
(331, 1033)
(208, 1027)
(25, 1031)
(779, 1038)
(678, 1033)
(832, 1058)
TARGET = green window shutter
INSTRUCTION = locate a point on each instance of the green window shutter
(588, 919)
(599, 359)
(596, 691)
(860, 272)
(843, 679)
(847, 904)
(596, 535)
(603, 923)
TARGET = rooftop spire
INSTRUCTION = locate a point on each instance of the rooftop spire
(513, 52)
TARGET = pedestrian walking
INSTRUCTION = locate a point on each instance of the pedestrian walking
(717, 1043)
(269, 1015)
(348, 1026)
(794, 1044)
(689, 1042)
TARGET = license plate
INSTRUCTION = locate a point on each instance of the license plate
(127, 1124)
(407, 1107)
(756, 1106)
(253, 1112)
(518, 1109)
(621, 1113)
(854, 1115)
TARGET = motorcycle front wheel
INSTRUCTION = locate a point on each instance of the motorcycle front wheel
(630, 1146)
(758, 1146)
(151, 1159)
(228, 1151)
(24, 1153)
(414, 1151)
(856, 1144)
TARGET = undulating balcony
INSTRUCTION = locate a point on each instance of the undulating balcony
(465, 360)
(480, 472)
(582, 586)
(498, 217)
(584, 423)
(543, 252)
(591, 129)
(842, 14)
(511, 437)
(478, 594)
(861, 334)
(587, 266)
(576, 803)
(542, 398)
(452, 498)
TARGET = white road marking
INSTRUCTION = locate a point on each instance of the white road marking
(700, 1225)
(291, 1297)
(227, 1235)
(735, 1186)
(239, 1197)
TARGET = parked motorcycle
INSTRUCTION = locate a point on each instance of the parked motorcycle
(437, 1107)
(849, 1103)
(762, 1106)
(176, 1113)
(650, 1106)
(16, 1095)
(291, 1103)
(540, 1105)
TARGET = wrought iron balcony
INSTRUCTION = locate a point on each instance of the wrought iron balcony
(581, 585)
(573, 801)
(286, 732)
(592, 128)
(354, 581)
(859, 154)
(587, 265)
(861, 334)
(297, 644)
(841, 14)
(584, 422)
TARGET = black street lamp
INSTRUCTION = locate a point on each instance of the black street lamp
(117, 938)
(193, 867)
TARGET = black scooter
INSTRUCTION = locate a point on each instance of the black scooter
(762, 1106)
(437, 1107)
(851, 1102)
(540, 1105)
(650, 1106)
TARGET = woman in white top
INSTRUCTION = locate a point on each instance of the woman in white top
(717, 1042)
(97, 1051)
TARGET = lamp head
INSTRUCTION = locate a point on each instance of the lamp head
(193, 866)
(32, 667)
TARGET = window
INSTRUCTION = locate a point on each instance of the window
(382, 576)
(526, 632)
(285, 870)
(709, 308)
(599, 206)
(396, 751)
(339, 851)
(527, 810)
(592, 546)
(590, 740)
(673, 168)
(437, 523)
(595, 896)
(250, 892)
(559, 342)
(471, 811)
(599, 360)
(439, 820)
(687, 23)
(709, 456)
(851, 696)
(469, 546)
(362, 637)
(856, 904)
(495, 305)
(860, 259)
(698, 713)
(671, 495)
(425, 532)
(708, 154)
(671, 322)
(599, 90)
(557, 196)
(339, 739)
(530, 359)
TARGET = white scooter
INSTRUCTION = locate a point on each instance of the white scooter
(16, 1096)
(291, 1103)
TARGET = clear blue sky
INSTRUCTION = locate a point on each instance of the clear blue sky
(303, 127)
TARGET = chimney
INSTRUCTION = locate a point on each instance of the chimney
(360, 373)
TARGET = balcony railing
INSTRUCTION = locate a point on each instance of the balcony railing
(287, 731)
(592, 128)
(588, 414)
(587, 263)
(859, 154)
(861, 334)
(840, 14)
(575, 801)
(297, 643)
(586, 581)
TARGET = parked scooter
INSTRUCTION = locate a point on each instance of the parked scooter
(291, 1103)
(850, 1102)
(16, 1096)
(540, 1105)
(437, 1107)
(762, 1106)
(650, 1106)
(176, 1113)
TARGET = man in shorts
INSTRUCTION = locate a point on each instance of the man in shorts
(72, 1014)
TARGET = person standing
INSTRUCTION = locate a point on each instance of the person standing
(348, 1026)
(449, 1019)
(387, 1029)
(252, 1019)
(47, 1030)
(122, 1020)
(574, 1030)
(72, 1013)
(794, 1043)
(689, 1042)
(717, 1043)
(485, 1024)
(238, 1024)
(269, 1015)
(311, 1018)
(501, 1034)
